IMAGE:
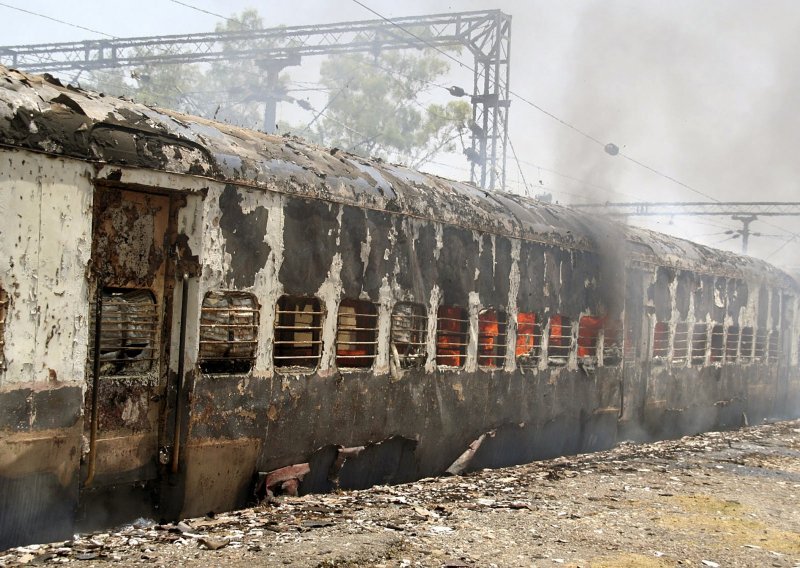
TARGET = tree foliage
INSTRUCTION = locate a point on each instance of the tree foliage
(373, 106)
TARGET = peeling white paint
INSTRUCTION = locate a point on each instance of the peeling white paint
(45, 205)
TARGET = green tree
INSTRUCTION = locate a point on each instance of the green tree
(373, 107)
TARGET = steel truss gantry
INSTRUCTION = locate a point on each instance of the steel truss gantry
(486, 34)
(743, 211)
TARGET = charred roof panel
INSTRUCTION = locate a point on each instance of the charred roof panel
(40, 114)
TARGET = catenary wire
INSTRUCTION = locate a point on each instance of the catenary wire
(56, 20)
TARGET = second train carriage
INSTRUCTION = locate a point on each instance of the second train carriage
(186, 304)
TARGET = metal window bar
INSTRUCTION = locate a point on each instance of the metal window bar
(760, 351)
(529, 342)
(680, 343)
(298, 333)
(699, 343)
(452, 338)
(747, 343)
(717, 351)
(732, 344)
(3, 314)
(774, 346)
(589, 328)
(613, 343)
(492, 344)
(357, 334)
(128, 332)
(228, 332)
(409, 338)
(661, 341)
(560, 341)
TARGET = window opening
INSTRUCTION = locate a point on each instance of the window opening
(661, 341)
(356, 334)
(699, 343)
(529, 340)
(559, 340)
(613, 342)
(717, 351)
(680, 343)
(3, 316)
(128, 332)
(732, 344)
(746, 347)
(491, 338)
(774, 346)
(228, 332)
(760, 351)
(298, 332)
(409, 335)
(452, 336)
(588, 339)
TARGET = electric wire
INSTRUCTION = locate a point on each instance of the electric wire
(519, 167)
(205, 11)
(57, 20)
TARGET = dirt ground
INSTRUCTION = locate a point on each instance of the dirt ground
(717, 499)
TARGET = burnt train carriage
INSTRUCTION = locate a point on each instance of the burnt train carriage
(186, 304)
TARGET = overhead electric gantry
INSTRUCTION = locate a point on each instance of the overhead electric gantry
(486, 34)
(744, 211)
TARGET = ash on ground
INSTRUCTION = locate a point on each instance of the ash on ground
(716, 499)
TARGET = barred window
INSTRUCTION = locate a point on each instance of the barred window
(717, 352)
(492, 338)
(128, 331)
(409, 335)
(612, 342)
(298, 332)
(588, 338)
(228, 332)
(529, 340)
(559, 340)
(774, 345)
(699, 343)
(356, 334)
(760, 351)
(746, 347)
(661, 341)
(732, 344)
(3, 316)
(680, 343)
(452, 336)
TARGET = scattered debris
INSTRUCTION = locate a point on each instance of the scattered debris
(633, 505)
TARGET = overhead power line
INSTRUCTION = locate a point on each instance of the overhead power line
(46, 17)
(195, 8)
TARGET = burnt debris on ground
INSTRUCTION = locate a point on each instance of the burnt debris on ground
(716, 499)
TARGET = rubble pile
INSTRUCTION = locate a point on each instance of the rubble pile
(716, 499)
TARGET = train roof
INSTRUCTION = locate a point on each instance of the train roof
(38, 113)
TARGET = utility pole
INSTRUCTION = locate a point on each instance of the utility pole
(745, 230)
(274, 93)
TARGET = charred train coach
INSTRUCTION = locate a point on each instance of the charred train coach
(192, 311)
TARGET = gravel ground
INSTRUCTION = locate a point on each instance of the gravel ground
(717, 499)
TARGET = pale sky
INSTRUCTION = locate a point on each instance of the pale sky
(702, 90)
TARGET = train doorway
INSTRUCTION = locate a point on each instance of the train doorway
(127, 363)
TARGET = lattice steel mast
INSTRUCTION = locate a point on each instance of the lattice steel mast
(487, 35)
